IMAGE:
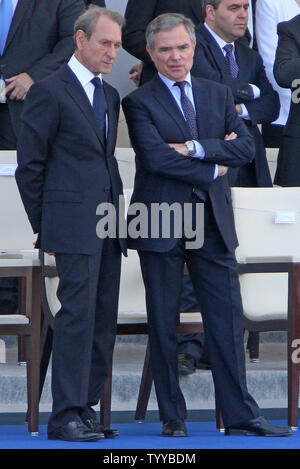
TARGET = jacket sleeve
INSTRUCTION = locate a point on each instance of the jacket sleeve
(66, 15)
(40, 121)
(287, 59)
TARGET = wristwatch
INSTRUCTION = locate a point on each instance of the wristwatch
(191, 147)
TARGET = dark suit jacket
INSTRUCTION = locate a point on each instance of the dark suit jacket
(64, 168)
(139, 13)
(164, 175)
(287, 69)
(100, 3)
(209, 62)
(40, 40)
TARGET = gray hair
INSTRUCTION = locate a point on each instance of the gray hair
(88, 19)
(166, 22)
(214, 3)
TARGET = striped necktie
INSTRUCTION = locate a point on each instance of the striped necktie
(233, 66)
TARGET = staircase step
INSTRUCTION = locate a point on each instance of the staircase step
(267, 380)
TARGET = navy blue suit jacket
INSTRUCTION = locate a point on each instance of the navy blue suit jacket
(64, 169)
(210, 63)
(163, 174)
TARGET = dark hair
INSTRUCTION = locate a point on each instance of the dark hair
(214, 3)
(88, 19)
(166, 22)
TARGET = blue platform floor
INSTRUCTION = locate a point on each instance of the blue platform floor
(202, 435)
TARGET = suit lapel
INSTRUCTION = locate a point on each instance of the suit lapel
(77, 93)
(22, 11)
(242, 60)
(165, 99)
(215, 50)
(201, 106)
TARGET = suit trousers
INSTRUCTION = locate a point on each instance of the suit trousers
(8, 139)
(214, 274)
(84, 330)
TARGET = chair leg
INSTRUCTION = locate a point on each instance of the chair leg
(46, 350)
(253, 345)
(105, 402)
(293, 337)
(219, 419)
(33, 356)
(22, 307)
(145, 388)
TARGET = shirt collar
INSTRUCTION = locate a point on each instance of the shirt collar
(169, 83)
(83, 74)
(217, 38)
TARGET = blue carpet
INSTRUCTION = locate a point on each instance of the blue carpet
(202, 435)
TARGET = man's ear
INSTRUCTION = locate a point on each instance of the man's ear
(149, 52)
(210, 13)
(80, 38)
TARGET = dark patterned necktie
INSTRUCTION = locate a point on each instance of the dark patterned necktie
(190, 117)
(188, 110)
(233, 66)
(100, 105)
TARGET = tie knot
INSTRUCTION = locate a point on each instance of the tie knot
(96, 82)
(180, 84)
(228, 48)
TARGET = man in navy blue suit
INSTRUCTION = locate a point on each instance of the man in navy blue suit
(186, 133)
(256, 101)
(66, 169)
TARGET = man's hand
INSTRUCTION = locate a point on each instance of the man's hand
(137, 71)
(18, 86)
(180, 148)
(231, 136)
(239, 109)
(222, 170)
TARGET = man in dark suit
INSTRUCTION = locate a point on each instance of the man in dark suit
(66, 174)
(185, 133)
(256, 101)
(138, 15)
(37, 42)
(287, 74)
(192, 352)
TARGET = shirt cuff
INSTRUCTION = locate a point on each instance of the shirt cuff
(256, 91)
(200, 153)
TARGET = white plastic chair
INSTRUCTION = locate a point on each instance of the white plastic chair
(19, 259)
(268, 227)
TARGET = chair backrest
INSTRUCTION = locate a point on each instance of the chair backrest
(123, 139)
(16, 232)
(272, 155)
(267, 222)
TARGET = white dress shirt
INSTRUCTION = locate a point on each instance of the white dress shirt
(84, 75)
